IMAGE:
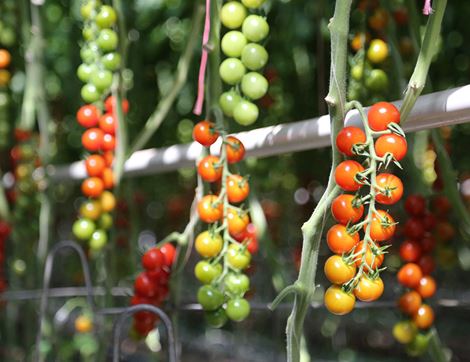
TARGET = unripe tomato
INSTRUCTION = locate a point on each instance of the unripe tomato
(424, 317)
(106, 17)
(95, 165)
(377, 80)
(404, 332)
(92, 139)
(237, 309)
(209, 297)
(90, 93)
(235, 151)
(348, 137)
(216, 318)
(343, 210)
(108, 123)
(254, 85)
(245, 113)
(231, 71)
(254, 56)
(392, 186)
(208, 244)
(339, 240)
(338, 271)
(382, 226)
(228, 101)
(105, 221)
(83, 229)
(204, 132)
(153, 259)
(368, 289)
(338, 301)
(98, 240)
(107, 40)
(210, 209)
(233, 43)
(238, 189)
(88, 116)
(169, 252)
(210, 169)
(378, 51)
(92, 187)
(232, 14)
(427, 286)
(238, 257)
(253, 4)
(255, 28)
(110, 103)
(345, 175)
(206, 272)
(372, 257)
(381, 114)
(237, 284)
(415, 205)
(409, 275)
(410, 251)
(410, 302)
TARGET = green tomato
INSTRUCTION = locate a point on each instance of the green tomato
(245, 113)
(87, 33)
(4, 100)
(107, 40)
(357, 72)
(238, 257)
(205, 272)
(232, 70)
(84, 71)
(404, 331)
(98, 240)
(228, 101)
(254, 85)
(377, 80)
(232, 14)
(111, 61)
(253, 4)
(106, 17)
(210, 298)
(87, 9)
(7, 37)
(83, 229)
(90, 93)
(237, 284)
(255, 28)
(418, 346)
(216, 318)
(254, 56)
(233, 43)
(87, 54)
(237, 309)
(105, 221)
(102, 79)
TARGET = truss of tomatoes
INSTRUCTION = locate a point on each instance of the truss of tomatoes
(226, 247)
(354, 269)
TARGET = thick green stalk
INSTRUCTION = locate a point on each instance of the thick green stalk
(428, 51)
(312, 228)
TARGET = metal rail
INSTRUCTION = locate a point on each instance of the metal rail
(433, 110)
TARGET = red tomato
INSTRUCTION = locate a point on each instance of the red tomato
(415, 205)
(428, 243)
(392, 189)
(108, 178)
(238, 188)
(409, 275)
(204, 132)
(210, 209)
(144, 286)
(169, 252)
(441, 205)
(109, 143)
(391, 143)
(372, 257)
(95, 165)
(410, 251)
(414, 228)
(343, 210)
(382, 226)
(234, 149)
(92, 187)
(92, 139)
(427, 264)
(427, 286)
(381, 114)
(111, 102)
(348, 137)
(410, 302)
(108, 158)
(210, 169)
(339, 240)
(88, 115)
(429, 221)
(108, 123)
(153, 259)
(345, 175)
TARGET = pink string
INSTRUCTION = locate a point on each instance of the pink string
(202, 69)
(427, 10)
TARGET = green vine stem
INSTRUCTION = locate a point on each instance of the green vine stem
(312, 229)
(164, 106)
(449, 179)
(437, 351)
(428, 51)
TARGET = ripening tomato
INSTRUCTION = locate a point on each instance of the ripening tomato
(338, 271)
(414, 228)
(378, 51)
(111, 102)
(107, 201)
(337, 301)
(348, 137)
(5, 58)
(238, 188)
(344, 211)
(91, 209)
(210, 209)
(339, 240)
(378, 20)
(88, 116)
(381, 114)
(415, 205)
(208, 244)
(391, 143)
(108, 123)
(427, 264)
(92, 139)
(410, 302)
(210, 168)
(169, 253)
(238, 257)
(382, 226)
(83, 324)
(410, 251)
(237, 221)
(95, 165)
(404, 332)
(234, 149)
(345, 175)
(392, 189)
(373, 258)
(359, 41)
(409, 275)
(153, 259)
(109, 142)
(92, 187)
(368, 289)
(441, 205)
(426, 287)
(424, 317)
(204, 132)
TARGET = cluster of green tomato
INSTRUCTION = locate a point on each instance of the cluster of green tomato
(245, 58)
(98, 54)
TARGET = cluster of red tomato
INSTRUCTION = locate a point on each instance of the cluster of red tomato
(422, 231)
(354, 269)
(151, 285)
(4, 233)
(5, 60)
(244, 52)
(227, 255)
